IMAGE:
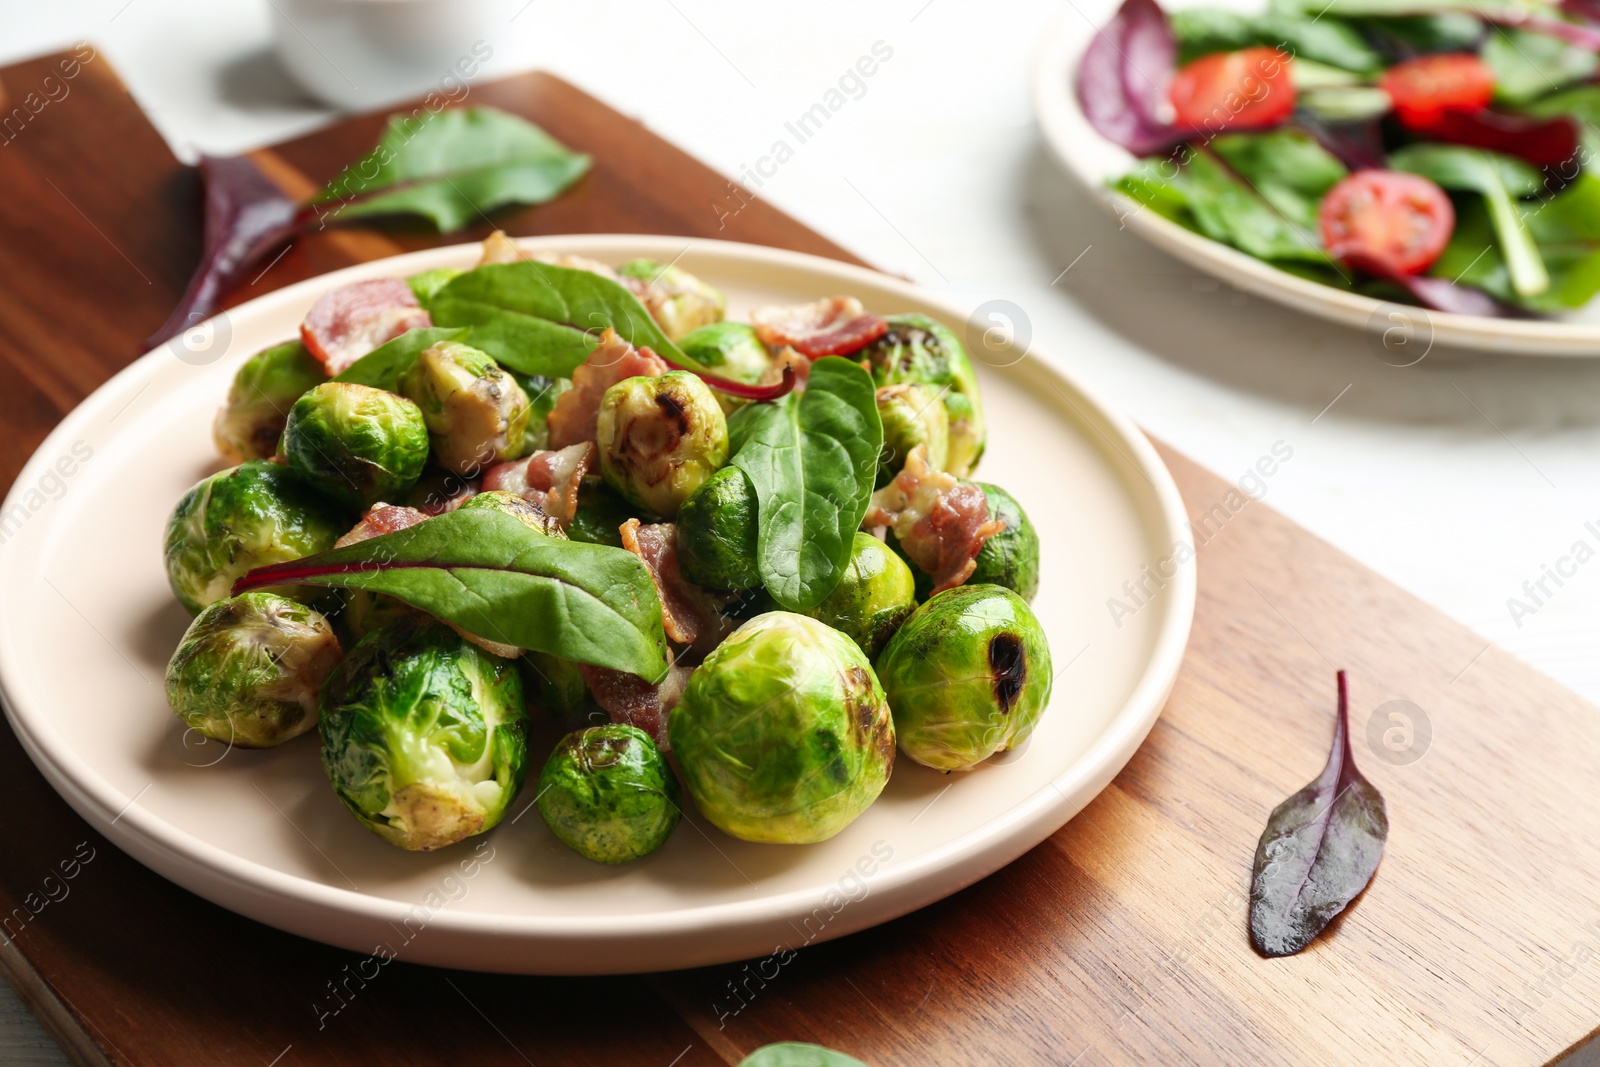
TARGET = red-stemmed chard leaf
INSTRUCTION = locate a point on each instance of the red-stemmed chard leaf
(1123, 79)
(1319, 850)
(742, 390)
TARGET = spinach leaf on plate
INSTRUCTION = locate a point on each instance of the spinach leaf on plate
(1566, 229)
(381, 368)
(1202, 30)
(1528, 65)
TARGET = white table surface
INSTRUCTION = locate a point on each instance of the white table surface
(1458, 478)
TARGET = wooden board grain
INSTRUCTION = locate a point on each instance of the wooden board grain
(1119, 940)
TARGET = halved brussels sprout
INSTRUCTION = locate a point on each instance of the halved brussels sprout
(249, 670)
(912, 415)
(1009, 558)
(874, 596)
(660, 438)
(239, 519)
(731, 350)
(250, 422)
(717, 533)
(608, 794)
(423, 734)
(429, 282)
(921, 351)
(355, 444)
(783, 734)
(542, 393)
(600, 515)
(676, 299)
(477, 414)
(967, 676)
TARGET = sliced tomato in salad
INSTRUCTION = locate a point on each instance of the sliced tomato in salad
(1386, 222)
(1242, 90)
(1425, 88)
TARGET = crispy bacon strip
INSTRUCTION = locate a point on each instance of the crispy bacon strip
(629, 699)
(691, 615)
(381, 519)
(354, 319)
(832, 326)
(941, 522)
(549, 479)
(577, 411)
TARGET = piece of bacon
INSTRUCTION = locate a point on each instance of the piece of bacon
(690, 614)
(940, 521)
(382, 519)
(832, 326)
(577, 411)
(549, 478)
(354, 319)
(629, 699)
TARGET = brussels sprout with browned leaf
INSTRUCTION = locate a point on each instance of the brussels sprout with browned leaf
(252, 418)
(607, 793)
(660, 438)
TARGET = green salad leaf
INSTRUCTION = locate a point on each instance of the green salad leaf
(381, 368)
(493, 576)
(812, 458)
(1566, 228)
(1202, 30)
(1528, 65)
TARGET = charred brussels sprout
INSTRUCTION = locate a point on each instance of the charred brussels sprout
(429, 282)
(660, 438)
(423, 734)
(600, 515)
(477, 414)
(912, 415)
(528, 513)
(608, 794)
(717, 533)
(1010, 557)
(250, 422)
(783, 734)
(731, 350)
(923, 352)
(678, 301)
(968, 675)
(239, 519)
(542, 394)
(355, 444)
(874, 595)
(250, 668)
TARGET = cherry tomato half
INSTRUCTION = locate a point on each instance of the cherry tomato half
(1386, 221)
(1423, 89)
(1239, 90)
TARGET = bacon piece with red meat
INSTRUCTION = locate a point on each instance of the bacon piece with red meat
(382, 519)
(832, 326)
(690, 614)
(549, 479)
(629, 699)
(940, 521)
(354, 319)
(577, 411)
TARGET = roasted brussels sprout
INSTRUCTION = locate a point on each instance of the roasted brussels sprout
(355, 444)
(426, 284)
(1011, 557)
(542, 394)
(677, 300)
(717, 533)
(732, 350)
(600, 515)
(874, 595)
(239, 519)
(477, 414)
(250, 422)
(423, 734)
(249, 670)
(967, 676)
(660, 438)
(530, 514)
(555, 686)
(608, 794)
(912, 415)
(783, 734)
(924, 352)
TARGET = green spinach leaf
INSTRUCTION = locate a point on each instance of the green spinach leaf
(1288, 168)
(1528, 65)
(811, 458)
(381, 368)
(1202, 30)
(1566, 228)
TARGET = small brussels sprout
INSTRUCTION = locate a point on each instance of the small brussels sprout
(249, 670)
(542, 394)
(530, 514)
(678, 301)
(608, 794)
(425, 285)
(968, 675)
(477, 414)
(423, 734)
(555, 686)
(874, 595)
(355, 444)
(732, 350)
(660, 438)
(783, 734)
(923, 352)
(239, 519)
(250, 422)
(1009, 558)
(912, 415)
(717, 533)
(600, 515)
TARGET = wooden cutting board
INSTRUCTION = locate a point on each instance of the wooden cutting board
(1119, 940)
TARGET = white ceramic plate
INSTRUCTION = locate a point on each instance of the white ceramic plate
(1094, 161)
(89, 624)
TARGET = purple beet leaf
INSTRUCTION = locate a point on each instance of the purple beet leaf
(1542, 142)
(1123, 79)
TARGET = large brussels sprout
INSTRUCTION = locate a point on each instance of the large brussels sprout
(250, 422)
(717, 533)
(660, 438)
(608, 794)
(783, 734)
(731, 350)
(423, 734)
(924, 352)
(239, 519)
(355, 444)
(600, 515)
(477, 414)
(912, 415)
(677, 300)
(250, 668)
(967, 676)
(1010, 557)
(874, 595)
(542, 394)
